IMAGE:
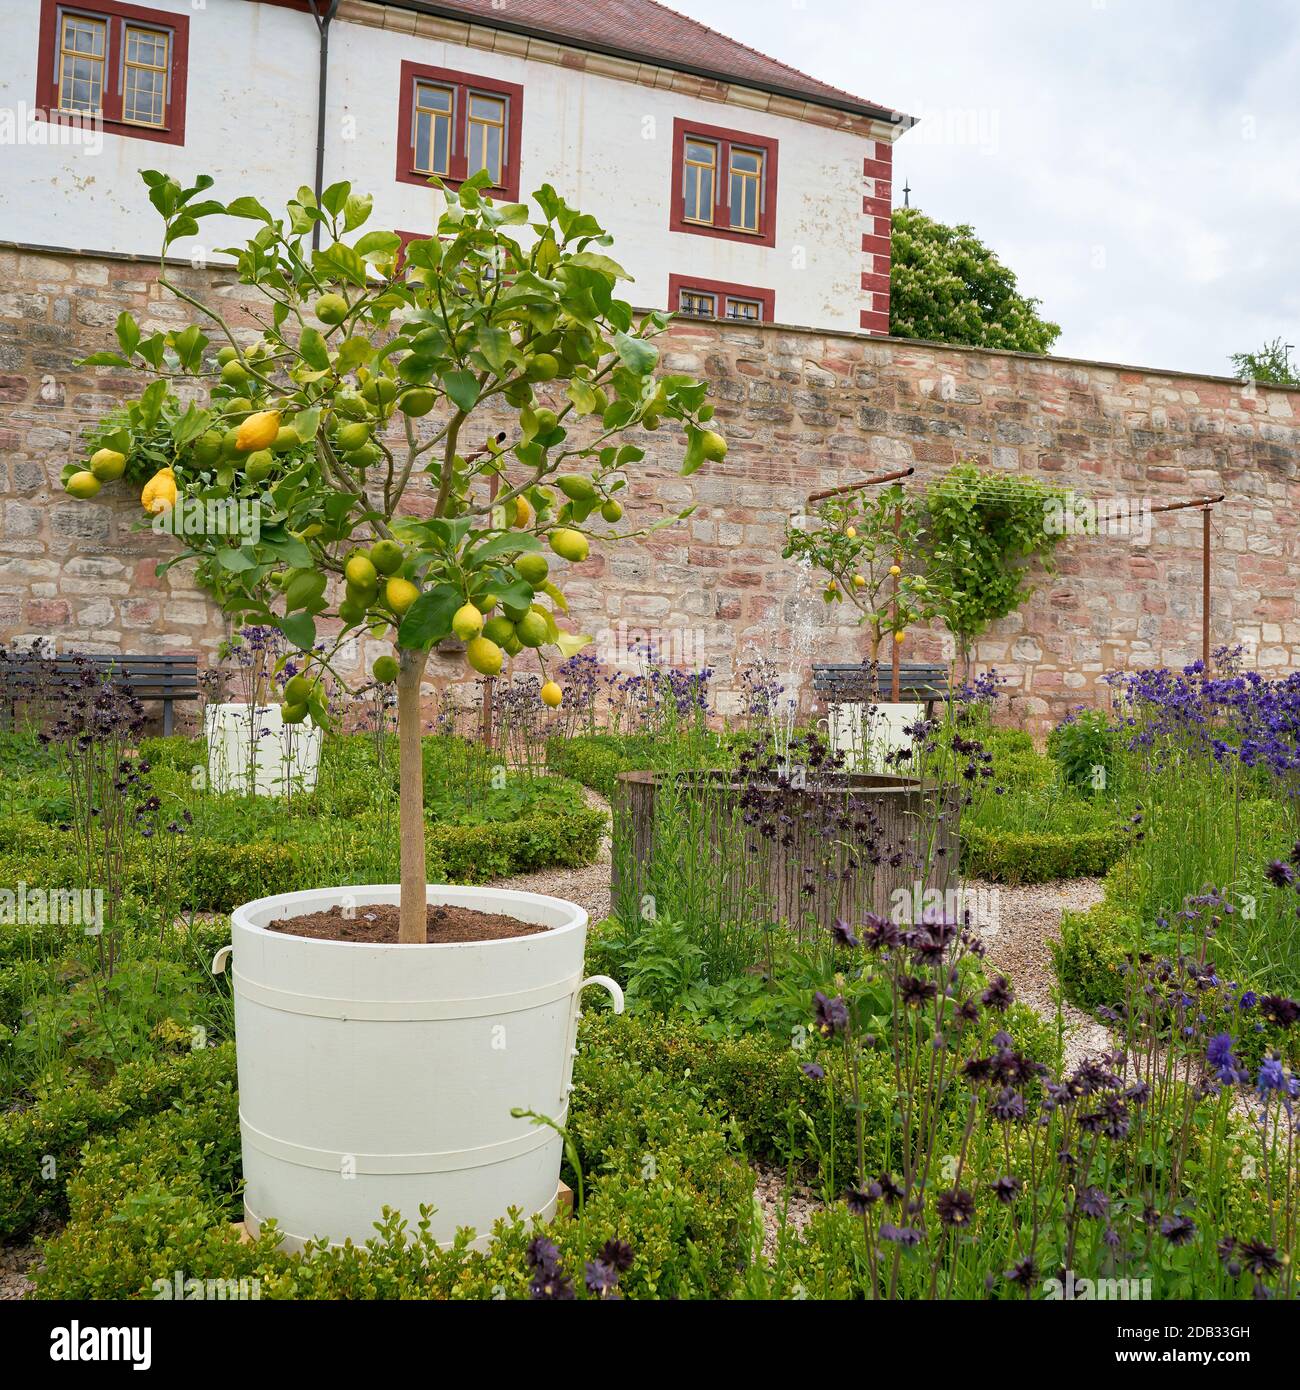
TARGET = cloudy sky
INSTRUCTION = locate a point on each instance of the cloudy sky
(1136, 162)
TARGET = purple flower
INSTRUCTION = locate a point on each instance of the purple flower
(842, 933)
(906, 1236)
(831, 1015)
(814, 1070)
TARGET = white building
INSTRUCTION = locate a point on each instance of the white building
(733, 184)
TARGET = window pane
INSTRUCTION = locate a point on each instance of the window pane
(486, 135)
(433, 108)
(744, 309)
(699, 180)
(696, 303)
(144, 85)
(81, 63)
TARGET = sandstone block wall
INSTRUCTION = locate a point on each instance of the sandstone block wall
(802, 410)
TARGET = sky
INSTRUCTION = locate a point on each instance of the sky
(1135, 162)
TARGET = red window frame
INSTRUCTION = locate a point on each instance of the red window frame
(118, 16)
(722, 289)
(463, 83)
(724, 138)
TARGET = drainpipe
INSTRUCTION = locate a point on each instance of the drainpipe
(322, 18)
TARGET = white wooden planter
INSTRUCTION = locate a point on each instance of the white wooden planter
(386, 1075)
(249, 743)
(865, 734)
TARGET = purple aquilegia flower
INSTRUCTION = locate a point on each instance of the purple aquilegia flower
(814, 1070)
(906, 1236)
(842, 933)
(831, 1016)
(1221, 1058)
(1271, 1076)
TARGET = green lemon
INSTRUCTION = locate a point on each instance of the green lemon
(543, 367)
(233, 374)
(385, 670)
(532, 629)
(576, 487)
(612, 511)
(291, 713)
(417, 401)
(387, 556)
(380, 390)
(207, 449)
(286, 437)
(499, 629)
(107, 465)
(353, 436)
(715, 447)
(83, 484)
(259, 465)
(331, 308)
(532, 567)
(297, 690)
(226, 354)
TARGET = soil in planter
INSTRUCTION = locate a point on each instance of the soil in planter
(377, 925)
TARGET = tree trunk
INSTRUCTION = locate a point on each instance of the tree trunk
(411, 925)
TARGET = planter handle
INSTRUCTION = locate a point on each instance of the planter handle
(611, 987)
(220, 959)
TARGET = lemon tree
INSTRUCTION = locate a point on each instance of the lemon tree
(428, 434)
(855, 542)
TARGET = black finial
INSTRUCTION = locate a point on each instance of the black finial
(907, 195)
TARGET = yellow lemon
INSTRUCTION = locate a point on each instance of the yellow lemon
(360, 572)
(523, 513)
(467, 622)
(899, 636)
(569, 545)
(159, 493)
(715, 447)
(400, 594)
(484, 656)
(258, 431)
(859, 582)
(552, 695)
(851, 532)
(895, 570)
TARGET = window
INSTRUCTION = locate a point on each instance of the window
(691, 298)
(434, 107)
(83, 51)
(122, 65)
(144, 92)
(452, 124)
(724, 183)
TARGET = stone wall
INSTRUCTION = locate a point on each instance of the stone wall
(803, 411)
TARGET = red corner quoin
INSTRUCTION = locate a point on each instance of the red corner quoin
(877, 210)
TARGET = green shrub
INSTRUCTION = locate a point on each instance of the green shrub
(159, 1195)
(39, 1145)
(1015, 856)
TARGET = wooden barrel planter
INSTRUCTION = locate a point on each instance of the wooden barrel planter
(787, 855)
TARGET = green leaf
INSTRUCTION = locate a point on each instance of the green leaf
(635, 353)
(300, 629)
(128, 332)
(356, 211)
(462, 388)
(428, 620)
(249, 207)
(341, 261)
(313, 349)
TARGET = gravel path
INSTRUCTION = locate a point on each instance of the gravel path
(588, 886)
(1016, 925)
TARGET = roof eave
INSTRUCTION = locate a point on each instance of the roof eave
(884, 114)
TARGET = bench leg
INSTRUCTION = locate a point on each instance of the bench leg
(167, 717)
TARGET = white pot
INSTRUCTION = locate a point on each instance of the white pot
(865, 734)
(253, 743)
(385, 1075)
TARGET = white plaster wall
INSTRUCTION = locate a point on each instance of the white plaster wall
(606, 145)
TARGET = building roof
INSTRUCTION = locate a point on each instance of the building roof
(650, 32)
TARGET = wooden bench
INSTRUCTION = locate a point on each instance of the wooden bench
(846, 683)
(168, 678)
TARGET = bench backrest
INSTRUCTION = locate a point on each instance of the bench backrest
(173, 676)
(853, 681)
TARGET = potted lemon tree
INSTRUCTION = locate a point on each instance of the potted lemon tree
(857, 541)
(423, 434)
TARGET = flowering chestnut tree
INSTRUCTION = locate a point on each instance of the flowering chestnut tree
(363, 426)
